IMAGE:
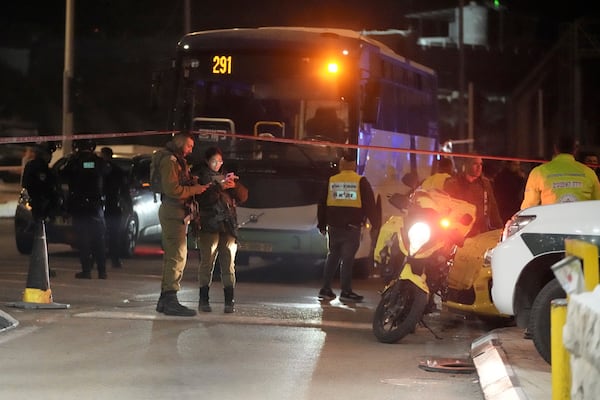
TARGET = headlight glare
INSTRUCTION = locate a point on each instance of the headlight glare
(418, 235)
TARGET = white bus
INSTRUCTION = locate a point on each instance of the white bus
(308, 89)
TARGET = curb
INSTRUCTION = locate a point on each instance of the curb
(497, 378)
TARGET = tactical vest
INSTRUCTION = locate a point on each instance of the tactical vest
(344, 190)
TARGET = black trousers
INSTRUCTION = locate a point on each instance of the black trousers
(90, 231)
(113, 227)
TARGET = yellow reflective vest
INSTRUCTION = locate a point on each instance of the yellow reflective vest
(435, 181)
(344, 190)
(559, 181)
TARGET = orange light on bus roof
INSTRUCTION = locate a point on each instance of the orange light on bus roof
(333, 67)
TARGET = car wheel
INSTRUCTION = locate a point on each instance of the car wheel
(539, 322)
(24, 236)
(129, 238)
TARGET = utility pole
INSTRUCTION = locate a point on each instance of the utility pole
(187, 17)
(67, 107)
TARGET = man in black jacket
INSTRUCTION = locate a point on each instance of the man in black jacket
(472, 186)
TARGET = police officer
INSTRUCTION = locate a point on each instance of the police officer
(342, 210)
(117, 201)
(562, 179)
(41, 183)
(177, 189)
(85, 173)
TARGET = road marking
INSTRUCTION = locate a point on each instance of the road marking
(227, 319)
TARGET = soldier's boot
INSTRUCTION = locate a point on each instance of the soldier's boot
(229, 302)
(160, 305)
(203, 303)
(169, 305)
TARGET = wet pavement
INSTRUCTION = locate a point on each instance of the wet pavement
(508, 365)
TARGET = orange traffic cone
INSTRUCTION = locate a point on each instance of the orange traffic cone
(37, 292)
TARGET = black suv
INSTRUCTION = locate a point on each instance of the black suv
(139, 224)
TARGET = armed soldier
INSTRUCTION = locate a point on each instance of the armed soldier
(177, 190)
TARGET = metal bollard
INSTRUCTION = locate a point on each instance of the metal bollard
(588, 253)
(561, 366)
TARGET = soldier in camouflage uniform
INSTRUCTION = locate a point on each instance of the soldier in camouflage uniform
(177, 189)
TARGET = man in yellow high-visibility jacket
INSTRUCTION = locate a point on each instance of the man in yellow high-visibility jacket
(342, 210)
(561, 180)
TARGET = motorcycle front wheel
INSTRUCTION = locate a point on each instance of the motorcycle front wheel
(398, 312)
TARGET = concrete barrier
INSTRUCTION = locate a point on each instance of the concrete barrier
(581, 337)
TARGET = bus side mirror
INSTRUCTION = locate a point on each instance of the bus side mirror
(371, 102)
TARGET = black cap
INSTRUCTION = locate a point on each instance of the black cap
(45, 147)
(84, 144)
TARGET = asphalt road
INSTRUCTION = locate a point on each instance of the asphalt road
(280, 344)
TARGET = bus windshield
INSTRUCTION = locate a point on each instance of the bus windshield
(284, 95)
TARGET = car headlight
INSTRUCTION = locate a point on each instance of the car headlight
(515, 224)
(418, 235)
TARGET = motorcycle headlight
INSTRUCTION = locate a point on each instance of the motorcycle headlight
(418, 235)
(515, 224)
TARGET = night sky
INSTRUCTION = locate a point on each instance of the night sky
(25, 19)
(119, 42)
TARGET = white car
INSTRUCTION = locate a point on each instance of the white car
(532, 241)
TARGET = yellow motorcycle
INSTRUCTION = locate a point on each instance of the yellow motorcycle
(417, 252)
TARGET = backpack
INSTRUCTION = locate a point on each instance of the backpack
(155, 178)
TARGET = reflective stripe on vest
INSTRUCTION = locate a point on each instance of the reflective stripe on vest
(344, 190)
